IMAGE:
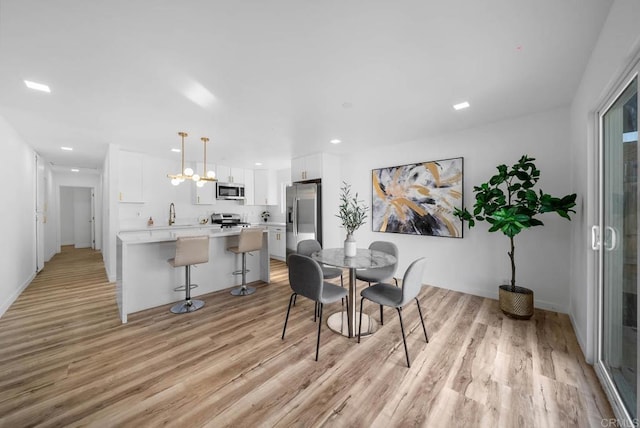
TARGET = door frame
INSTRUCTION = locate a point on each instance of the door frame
(92, 191)
(621, 84)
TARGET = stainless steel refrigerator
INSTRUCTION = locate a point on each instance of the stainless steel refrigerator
(304, 214)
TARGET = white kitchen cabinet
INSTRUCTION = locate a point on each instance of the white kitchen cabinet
(205, 195)
(306, 168)
(266, 187)
(223, 173)
(227, 174)
(277, 239)
(249, 187)
(131, 177)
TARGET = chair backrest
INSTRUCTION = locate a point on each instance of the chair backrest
(250, 239)
(389, 248)
(305, 276)
(308, 247)
(191, 250)
(412, 281)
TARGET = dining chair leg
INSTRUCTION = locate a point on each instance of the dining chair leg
(294, 300)
(291, 299)
(315, 312)
(360, 323)
(404, 339)
(319, 327)
(422, 321)
(381, 316)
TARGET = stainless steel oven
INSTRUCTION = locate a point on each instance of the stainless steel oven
(229, 191)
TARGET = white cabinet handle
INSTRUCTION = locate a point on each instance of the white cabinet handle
(595, 237)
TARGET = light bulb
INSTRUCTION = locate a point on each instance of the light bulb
(195, 177)
(211, 174)
(175, 181)
(181, 179)
(188, 171)
(200, 183)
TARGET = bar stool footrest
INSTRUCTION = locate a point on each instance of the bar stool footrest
(239, 272)
(183, 287)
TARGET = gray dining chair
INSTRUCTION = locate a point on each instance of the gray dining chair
(398, 297)
(306, 279)
(310, 246)
(383, 274)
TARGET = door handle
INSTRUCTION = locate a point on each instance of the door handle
(595, 238)
(614, 239)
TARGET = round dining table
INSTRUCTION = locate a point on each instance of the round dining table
(344, 322)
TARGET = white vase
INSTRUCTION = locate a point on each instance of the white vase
(350, 246)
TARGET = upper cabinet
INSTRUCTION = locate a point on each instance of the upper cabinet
(306, 168)
(266, 187)
(227, 174)
(205, 195)
(131, 177)
(249, 187)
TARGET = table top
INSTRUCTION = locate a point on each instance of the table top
(364, 258)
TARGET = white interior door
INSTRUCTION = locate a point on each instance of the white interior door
(82, 217)
(40, 212)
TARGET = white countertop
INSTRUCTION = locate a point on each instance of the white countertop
(171, 233)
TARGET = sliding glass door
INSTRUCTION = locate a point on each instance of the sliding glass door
(618, 249)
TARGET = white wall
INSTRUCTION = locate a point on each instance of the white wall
(617, 45)
(478, 263)
(110, 210)
(67, 214)
(51, 229)
(17, 252)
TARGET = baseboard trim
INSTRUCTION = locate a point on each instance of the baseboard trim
(537, 303)
(7, 304)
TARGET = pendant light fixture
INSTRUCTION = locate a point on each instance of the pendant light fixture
(188, 173)
(206, 175)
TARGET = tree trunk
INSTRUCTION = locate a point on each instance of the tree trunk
(513, 264)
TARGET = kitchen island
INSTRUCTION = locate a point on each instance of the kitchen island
(145, 279)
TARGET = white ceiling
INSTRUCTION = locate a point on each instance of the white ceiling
(270, 80)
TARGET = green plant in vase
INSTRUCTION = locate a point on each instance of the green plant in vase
(353, 214)
(510, 203)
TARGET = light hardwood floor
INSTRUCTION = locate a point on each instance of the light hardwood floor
(66, 360)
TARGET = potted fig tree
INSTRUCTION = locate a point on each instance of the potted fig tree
(510, 203)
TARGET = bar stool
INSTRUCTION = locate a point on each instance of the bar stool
(250, 240)
(190, 250)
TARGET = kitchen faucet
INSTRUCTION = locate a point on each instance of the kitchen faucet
(172, 214)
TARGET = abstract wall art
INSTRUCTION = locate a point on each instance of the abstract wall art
(418, 198)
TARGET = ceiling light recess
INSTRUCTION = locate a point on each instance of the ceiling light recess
(335, 141)
(461, 105)
(68, 149)
(37, 86)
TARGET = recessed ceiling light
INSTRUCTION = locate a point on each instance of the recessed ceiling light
(75, 170)
(175, 150)
(258, 164)
(460, 106)
(335, 141)
(66, 148)
(37, 86)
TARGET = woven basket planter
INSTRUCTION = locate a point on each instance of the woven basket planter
(516, 302)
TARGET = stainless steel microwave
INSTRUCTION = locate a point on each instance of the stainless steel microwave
(229, 191)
